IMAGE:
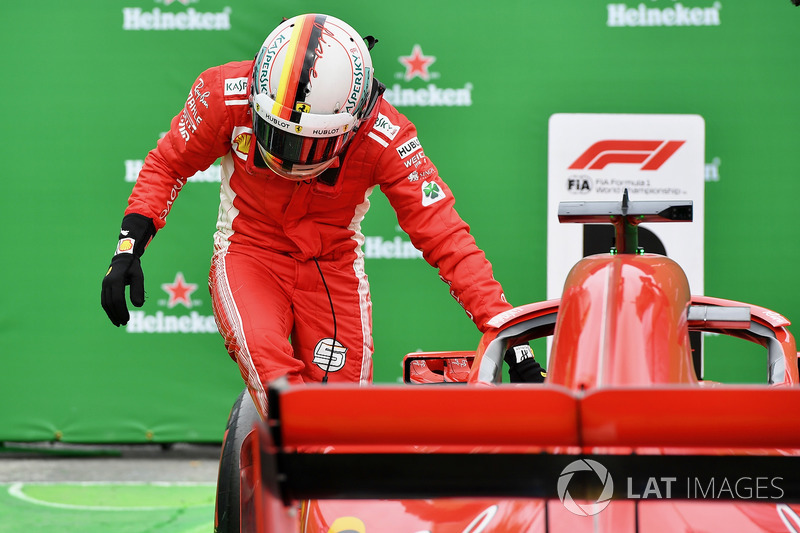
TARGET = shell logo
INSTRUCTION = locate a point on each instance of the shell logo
(347, 524)
(125, 246)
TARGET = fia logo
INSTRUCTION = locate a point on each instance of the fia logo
(579, 184)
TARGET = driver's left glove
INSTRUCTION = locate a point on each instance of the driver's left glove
(522, 367)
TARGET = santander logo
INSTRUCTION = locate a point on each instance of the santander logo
(649, 154)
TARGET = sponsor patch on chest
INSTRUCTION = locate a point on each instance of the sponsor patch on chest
(235, 86)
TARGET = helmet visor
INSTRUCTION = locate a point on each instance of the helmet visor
(292, 149)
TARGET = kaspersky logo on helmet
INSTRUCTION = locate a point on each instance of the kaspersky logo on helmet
(424, 93)
(183, 18)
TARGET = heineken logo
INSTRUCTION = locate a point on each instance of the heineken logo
(623, 15)
(417, 64)
(407, 93)
(430, 96)
(376, 247)
(160, 322)
(137, 19)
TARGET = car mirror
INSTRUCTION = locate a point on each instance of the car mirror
(437, 367)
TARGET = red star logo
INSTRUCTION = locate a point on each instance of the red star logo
(179, 291)
(417, 64)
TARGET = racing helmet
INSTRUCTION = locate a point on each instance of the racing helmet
(309, 93)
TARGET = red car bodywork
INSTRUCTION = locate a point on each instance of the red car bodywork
(684, 454)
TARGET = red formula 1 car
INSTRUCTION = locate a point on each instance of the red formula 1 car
(621, 437)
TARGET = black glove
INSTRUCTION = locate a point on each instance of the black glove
(126, 268)
(522, 367)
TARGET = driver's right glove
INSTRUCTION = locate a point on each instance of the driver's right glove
(522, 367)
(126, 268)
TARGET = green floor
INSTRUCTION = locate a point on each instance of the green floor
(107, 507)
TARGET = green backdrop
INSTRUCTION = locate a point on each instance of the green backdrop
(89, 87)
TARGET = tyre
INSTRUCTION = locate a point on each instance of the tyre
(240, 421)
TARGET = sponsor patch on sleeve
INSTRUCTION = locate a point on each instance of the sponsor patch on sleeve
(431, 193)
(192, 115)
(408, 148)
(384, 126)
(416, 175)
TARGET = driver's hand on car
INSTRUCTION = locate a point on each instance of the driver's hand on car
(522, 366)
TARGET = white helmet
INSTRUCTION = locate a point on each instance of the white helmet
(310, 91)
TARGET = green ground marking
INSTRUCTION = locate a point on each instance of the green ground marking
(107, 507)
(116, 496)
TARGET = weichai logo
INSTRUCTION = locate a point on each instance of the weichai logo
(651, 155)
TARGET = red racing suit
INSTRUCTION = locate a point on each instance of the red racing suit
(281, 245)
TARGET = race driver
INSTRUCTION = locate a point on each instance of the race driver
(305, 136)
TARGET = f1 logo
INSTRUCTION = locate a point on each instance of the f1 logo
(651, 154)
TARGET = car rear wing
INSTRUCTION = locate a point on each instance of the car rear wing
(343, 441)
(746, 416)
(626, 216)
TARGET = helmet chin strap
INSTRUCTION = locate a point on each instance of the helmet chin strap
(330, 175)
(378, 89)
